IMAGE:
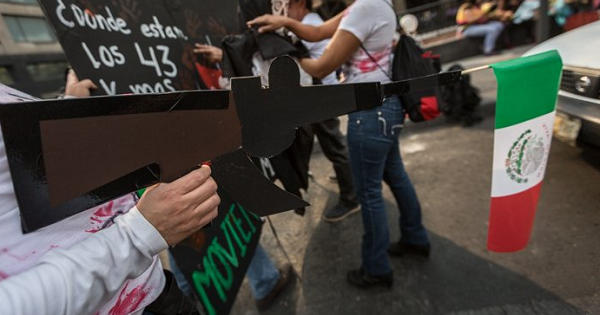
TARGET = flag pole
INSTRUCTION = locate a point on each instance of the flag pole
(467, 71)
(426, 82)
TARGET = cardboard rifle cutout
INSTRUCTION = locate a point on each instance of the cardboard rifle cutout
(79, 153)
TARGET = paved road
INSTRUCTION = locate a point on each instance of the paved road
(451, 169)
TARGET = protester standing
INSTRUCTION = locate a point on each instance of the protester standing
(372, 134)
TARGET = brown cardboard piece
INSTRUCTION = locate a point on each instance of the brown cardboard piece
(82, 154)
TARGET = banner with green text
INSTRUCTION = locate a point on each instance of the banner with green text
(215, 259)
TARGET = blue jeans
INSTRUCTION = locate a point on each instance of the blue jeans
(375, 157)
(262, 274)
(182, 282)
(489, 31)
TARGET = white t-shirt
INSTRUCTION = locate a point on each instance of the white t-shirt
(80, 265)
(316, 48)
(373, 22)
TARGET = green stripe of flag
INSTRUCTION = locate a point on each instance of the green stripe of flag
(527, 87)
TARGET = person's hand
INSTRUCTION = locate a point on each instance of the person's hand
(77, 88)
(268, 22)
(180, 208)
(211, 53)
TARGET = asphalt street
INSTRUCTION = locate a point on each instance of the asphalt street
(450, 166)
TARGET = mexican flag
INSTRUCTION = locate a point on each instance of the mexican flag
(525, 108)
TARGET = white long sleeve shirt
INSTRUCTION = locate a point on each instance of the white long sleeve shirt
(78, 265)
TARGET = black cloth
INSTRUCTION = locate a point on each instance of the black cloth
(291, 166)
(238, 49)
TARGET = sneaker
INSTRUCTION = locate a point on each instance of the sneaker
(399, 249)
(340, 211)
(363, 280)
(285, 274)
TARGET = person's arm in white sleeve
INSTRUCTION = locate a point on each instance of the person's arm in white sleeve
(79, 280)
(269, 23)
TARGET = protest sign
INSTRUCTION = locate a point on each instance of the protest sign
(130, 46)
(215, 259)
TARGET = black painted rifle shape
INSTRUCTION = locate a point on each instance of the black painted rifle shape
(66, 156)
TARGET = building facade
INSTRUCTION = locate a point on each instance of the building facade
(31, 58)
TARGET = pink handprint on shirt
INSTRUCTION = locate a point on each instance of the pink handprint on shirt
(102, 217)
(129, 301)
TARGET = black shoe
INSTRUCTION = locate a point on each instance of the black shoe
(400, 249)
(340, 211)
(361, 279)
(285, 274)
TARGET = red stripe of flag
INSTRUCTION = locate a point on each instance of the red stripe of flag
(511, 220)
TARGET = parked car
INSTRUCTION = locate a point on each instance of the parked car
(579, 95)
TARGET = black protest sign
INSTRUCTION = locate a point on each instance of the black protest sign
(214, 260)
(135, 46)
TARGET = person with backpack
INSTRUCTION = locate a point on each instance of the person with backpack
(372, 134)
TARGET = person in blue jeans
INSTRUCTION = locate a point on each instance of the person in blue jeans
(266, 281)
(375, 154)
(489, 31)
(478, 19)
(368, 25)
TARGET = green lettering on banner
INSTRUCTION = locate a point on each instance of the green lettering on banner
(215, 249)
(242, 246)
(230, 255)
(205, 278)
(238, 223)
(217, 255)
